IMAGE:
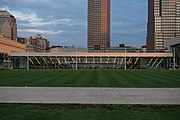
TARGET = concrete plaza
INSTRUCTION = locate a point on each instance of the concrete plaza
(61, 95)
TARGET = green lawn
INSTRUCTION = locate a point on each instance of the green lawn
(93, 112)
(90, 78)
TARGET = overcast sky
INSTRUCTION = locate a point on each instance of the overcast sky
(64, 22)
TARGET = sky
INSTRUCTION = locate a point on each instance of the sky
(64, 22)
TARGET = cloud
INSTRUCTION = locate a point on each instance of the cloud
(47, 2)
(133, 31)
(36, 22)
(42, 22)
(24, 14)
(51, 32)
(30, 19)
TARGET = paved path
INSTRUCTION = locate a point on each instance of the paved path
(90, 95)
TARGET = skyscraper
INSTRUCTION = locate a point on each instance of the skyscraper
(8, 25)
(98, 25)
(163, 22)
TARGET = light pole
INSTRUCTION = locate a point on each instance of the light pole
(76, 58)
(174, 59)
(27, 51)
(125, 67)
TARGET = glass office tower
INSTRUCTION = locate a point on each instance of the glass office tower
(163, 22)
(98, 25)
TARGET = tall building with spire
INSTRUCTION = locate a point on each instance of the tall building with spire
(163, 22)
(8, 26)
(98, 25)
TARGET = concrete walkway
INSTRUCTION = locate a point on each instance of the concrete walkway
(90, 95)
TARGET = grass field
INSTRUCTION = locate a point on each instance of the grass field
(93, 112)
(90, 78)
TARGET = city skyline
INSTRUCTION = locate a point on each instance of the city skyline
(68, 26)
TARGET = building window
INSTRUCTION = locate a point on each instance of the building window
(97, 47)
